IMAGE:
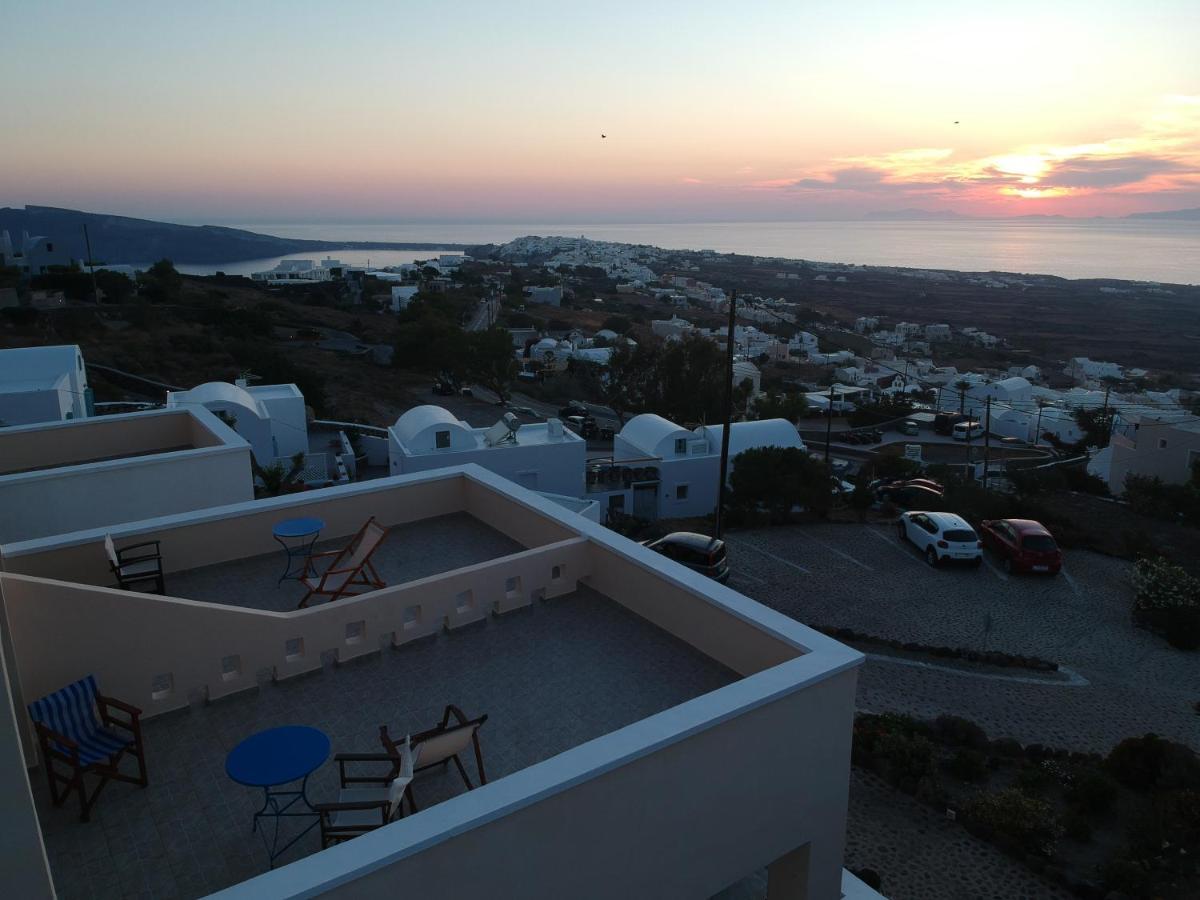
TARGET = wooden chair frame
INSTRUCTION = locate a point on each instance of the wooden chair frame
(121, 560)
(334, 834)
(362, 575)
(460, 722)
(58, 748)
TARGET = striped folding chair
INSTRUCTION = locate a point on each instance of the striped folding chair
(79, 735)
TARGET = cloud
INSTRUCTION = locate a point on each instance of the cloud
(1098, 172)
(1163, 156)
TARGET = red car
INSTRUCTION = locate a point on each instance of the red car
(1022, 545)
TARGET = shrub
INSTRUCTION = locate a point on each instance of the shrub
(1153, 763)
(1160, 585)
(967, 765)
(1092, 792)
(959, 731)
(1123, 876)
(908, 756)
(1028, 821)
(1076, 826)
(1033, 780)
(1182, 627)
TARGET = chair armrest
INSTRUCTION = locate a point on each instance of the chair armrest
(356, 804)
(346, 780)
(119, 704)
(155, 544)
(149, 557)
(364, 757)
(325, 553)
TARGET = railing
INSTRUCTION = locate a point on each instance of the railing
(160, 652)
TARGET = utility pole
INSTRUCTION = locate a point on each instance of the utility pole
(720, 520)
(829, 424)
(87, 242)
(987, 441)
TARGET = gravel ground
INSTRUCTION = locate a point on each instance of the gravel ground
(862, 577)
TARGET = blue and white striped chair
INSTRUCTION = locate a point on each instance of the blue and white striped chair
(76, 728)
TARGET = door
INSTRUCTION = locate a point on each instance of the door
(645, 501)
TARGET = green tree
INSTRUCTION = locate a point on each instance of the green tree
(778, 479)
(491, 361)
(630, 386)
(1096, 425)
(115, 287)
(161, 283)
(619, 324)
(781, 406)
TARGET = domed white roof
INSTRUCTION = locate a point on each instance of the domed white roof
(417, 428)
(650, 433)
(222, 392)
(751, 435)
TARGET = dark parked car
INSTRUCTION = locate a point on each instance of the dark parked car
(917, 493)
(444, 389)
(1023, 545)
(698, 552)
(943, 423)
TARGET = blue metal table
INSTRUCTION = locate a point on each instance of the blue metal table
(302, 533)
(274, 758)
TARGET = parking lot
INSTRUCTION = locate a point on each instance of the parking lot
(1118, 680)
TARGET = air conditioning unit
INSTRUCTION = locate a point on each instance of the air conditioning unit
(697, 448)
(554, 428)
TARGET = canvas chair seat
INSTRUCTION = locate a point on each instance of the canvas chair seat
(362, 809)
(333, 581)
(79, 734)
(350, 570)
(144, 567)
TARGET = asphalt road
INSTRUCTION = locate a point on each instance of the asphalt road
(1118, 680)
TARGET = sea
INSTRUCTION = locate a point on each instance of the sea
(1138, 250)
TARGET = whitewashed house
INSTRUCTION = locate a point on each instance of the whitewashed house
(542, 456)
(662, 470)
(43, 384)
(402, 295)
(271, 417)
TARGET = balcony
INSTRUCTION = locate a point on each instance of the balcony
(637, 712)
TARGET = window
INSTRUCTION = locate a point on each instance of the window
(616, 502)
(681, 492)
(681, 446)
(441, 439)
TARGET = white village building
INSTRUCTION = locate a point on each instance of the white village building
(542, 457)
(43, 384)
(271, 417)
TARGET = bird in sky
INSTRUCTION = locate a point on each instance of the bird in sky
(956, 121)
(604, 135)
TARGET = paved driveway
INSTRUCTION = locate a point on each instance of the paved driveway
(861, 576)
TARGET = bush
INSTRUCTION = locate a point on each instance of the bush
(1182, 628)
(1123, 876)
(959, 732)
(909, 757)
(1028, 821)
(1033, 780)
(1076, 826)
(1160, 585)
(1092, 792)
(967, 765)
(1153, 763)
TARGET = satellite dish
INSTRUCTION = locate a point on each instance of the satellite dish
(503, 432)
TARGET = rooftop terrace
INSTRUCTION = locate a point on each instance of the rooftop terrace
(550, 678)
(637, 711)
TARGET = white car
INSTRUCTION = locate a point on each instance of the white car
(964, 431)
(942, 537)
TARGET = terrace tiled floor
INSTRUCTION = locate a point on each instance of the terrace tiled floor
(409, 552)
(549, 678)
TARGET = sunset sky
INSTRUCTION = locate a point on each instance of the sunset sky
(476, 111)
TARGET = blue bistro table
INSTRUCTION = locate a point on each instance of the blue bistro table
(297, 537)
(274, 758)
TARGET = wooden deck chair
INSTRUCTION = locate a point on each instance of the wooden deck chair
(441, 744)
(136, 571)
(359, 808)
(77, 731)
(351, 567)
